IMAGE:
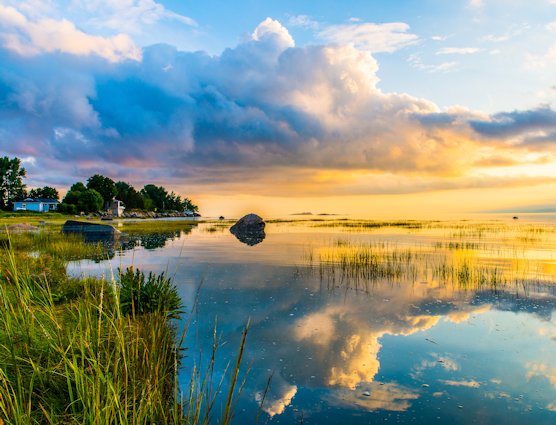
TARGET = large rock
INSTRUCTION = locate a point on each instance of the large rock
(249, 229)
(91, 231)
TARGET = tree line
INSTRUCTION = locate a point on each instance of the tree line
(97, 195)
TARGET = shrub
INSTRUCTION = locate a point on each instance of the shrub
(154, 293)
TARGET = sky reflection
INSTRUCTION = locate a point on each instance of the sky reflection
(419, 352)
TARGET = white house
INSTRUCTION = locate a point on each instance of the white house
(38, 205)
(117, 208)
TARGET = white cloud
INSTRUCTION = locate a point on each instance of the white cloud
(416, 62)
(458, 51)
(476, 4)
(30, 160)
(468, 384)
(271, 29)
(513, 31)
(303, 21)
(551, 26)
(129, 15)
(542, 61)
(29, 37)
(374, 38)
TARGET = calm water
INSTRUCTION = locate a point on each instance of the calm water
(347, 348)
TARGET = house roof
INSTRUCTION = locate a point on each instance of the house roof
(43, 200)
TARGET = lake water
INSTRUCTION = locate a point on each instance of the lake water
(357, 342)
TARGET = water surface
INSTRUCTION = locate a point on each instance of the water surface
(358, 347)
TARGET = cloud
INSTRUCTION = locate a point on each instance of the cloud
(262, 111)
(32, 37)
(506, 124)
(129, 15)
(476, 4)
(458, 51)
(280, 397)
(381, 396)
(544, 60)
(463, 383)
(370, 37)
(271, 29)
(416, 61)
(541, 370)
(303, 21)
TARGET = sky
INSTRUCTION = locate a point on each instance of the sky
(412, 108)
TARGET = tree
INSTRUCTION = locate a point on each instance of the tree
(46, 192)
(90, 201)
(11, 183)
(129, 196)
(73, 195)
(103, 185)
(190, 206)
(80, 187)
(157, 195)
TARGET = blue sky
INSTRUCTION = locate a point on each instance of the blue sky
(397, 104)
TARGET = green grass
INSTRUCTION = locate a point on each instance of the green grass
(461, 263)
(93, 351)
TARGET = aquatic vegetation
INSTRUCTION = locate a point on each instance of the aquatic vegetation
(140, 294)
(465, 263)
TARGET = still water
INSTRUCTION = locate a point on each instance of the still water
(403, 344)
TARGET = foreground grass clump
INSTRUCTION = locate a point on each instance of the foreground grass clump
(91, 351)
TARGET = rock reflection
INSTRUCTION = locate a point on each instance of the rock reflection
(146, 240)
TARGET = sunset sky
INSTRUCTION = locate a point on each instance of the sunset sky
(403, 108)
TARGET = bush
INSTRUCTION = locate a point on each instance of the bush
(155, 293)
(67, 208)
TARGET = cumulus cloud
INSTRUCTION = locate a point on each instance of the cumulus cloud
(29, 37)
(262, 110)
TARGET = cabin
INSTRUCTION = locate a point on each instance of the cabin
(38, 205)
(117, 208)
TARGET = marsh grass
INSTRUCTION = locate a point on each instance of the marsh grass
(476, 258)
(79, 351)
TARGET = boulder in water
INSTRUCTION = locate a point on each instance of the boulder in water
(249, 229)
(91, 231)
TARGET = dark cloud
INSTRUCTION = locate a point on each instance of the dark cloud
(507, 124)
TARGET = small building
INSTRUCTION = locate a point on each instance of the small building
(117, 208)
(38, 205)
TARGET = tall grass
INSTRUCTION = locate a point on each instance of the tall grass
(106, 353)
(462, 264)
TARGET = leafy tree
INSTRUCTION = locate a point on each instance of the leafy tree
(44, 192)
(73, 195)
(129, 196)
(190, 206)
(90, 201)
(103, 185)
(157, 195)
(80, 187)
(11, 181)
